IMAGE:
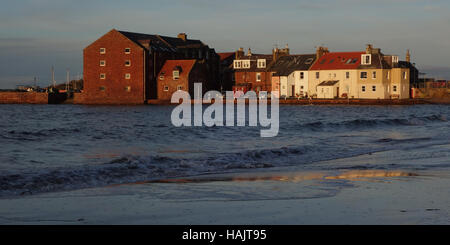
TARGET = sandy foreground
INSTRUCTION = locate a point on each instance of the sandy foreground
(274, 196)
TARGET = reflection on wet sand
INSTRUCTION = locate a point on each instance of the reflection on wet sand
(292, 177)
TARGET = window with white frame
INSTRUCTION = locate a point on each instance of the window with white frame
(374, 75)
(179, 87)
(127, 62)
(237, 64)
(102, 63)
(127, 76)
(302, 75)
(394, 59)
(366, 59)
(176, 74)
(166, 88)
(394, 88)
(347, 75)
(374, 88)
(127, 50)
(102, 50)
(102, 76)
(258, 77)
(317, 75)
(261, 63)
(363, 75)
(405, 75)
(363, 88)
(246, 64)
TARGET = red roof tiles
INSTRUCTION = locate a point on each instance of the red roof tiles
(338, 60)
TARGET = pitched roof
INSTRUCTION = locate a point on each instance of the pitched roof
(338, 60)
(377, 62)
(224, 56)
(184, 66)
(253, 62)
(161, 43)
(285, 65)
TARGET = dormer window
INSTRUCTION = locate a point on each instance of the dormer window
(261, 63)
(237, 64)
(176, 74)
(394, 59)
(246, 64)
(366, 59)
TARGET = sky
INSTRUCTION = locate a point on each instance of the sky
(38, 34)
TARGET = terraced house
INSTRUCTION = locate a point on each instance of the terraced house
(251, 71)
(364, 74)
(122, 67)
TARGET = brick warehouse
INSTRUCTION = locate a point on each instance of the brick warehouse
(122, 67)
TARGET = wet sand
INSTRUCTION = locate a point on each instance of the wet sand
(272, 197)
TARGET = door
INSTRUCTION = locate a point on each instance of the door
(337, 90)
(293, 91)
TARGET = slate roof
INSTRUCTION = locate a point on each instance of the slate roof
(161, 43)
(328, 83)
(377, 62)
(285, 65)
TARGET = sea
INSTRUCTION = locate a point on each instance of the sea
(51, 148)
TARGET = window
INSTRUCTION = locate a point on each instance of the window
(301, 87)
(258, 77)
(127, 76)
(363, 88)
(261, 63)
(309, 61)
(127, 51)
(102, 76)
(394, 59)
(127, 62)
(374, 88)
(128, 88)
(347, 75)
(237, 64)
(161, 77)
(179, 87)
(102, 50)
(405, 75)
(317, 75)
(394, 88)
(331, 61)
(366, 59)
(102, 88)
(166, 88)
(102, 63)
(374, 75)
(387, 75)
(176, 74)
(246, 64)
(363, 75)
(302, 75)
(323, 61)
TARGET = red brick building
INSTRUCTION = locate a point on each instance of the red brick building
(226, 71)
(251, 71)
(122, 67)
(181, 75)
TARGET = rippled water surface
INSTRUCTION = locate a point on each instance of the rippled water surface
(63, 147)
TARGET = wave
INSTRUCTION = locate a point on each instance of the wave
(361, 123)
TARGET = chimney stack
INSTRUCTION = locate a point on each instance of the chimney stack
(369, 49)
(321, 51)
(249, 52)
(408, 56)
(239, 53)
(182, 36)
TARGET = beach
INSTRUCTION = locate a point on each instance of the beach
(284, 196)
